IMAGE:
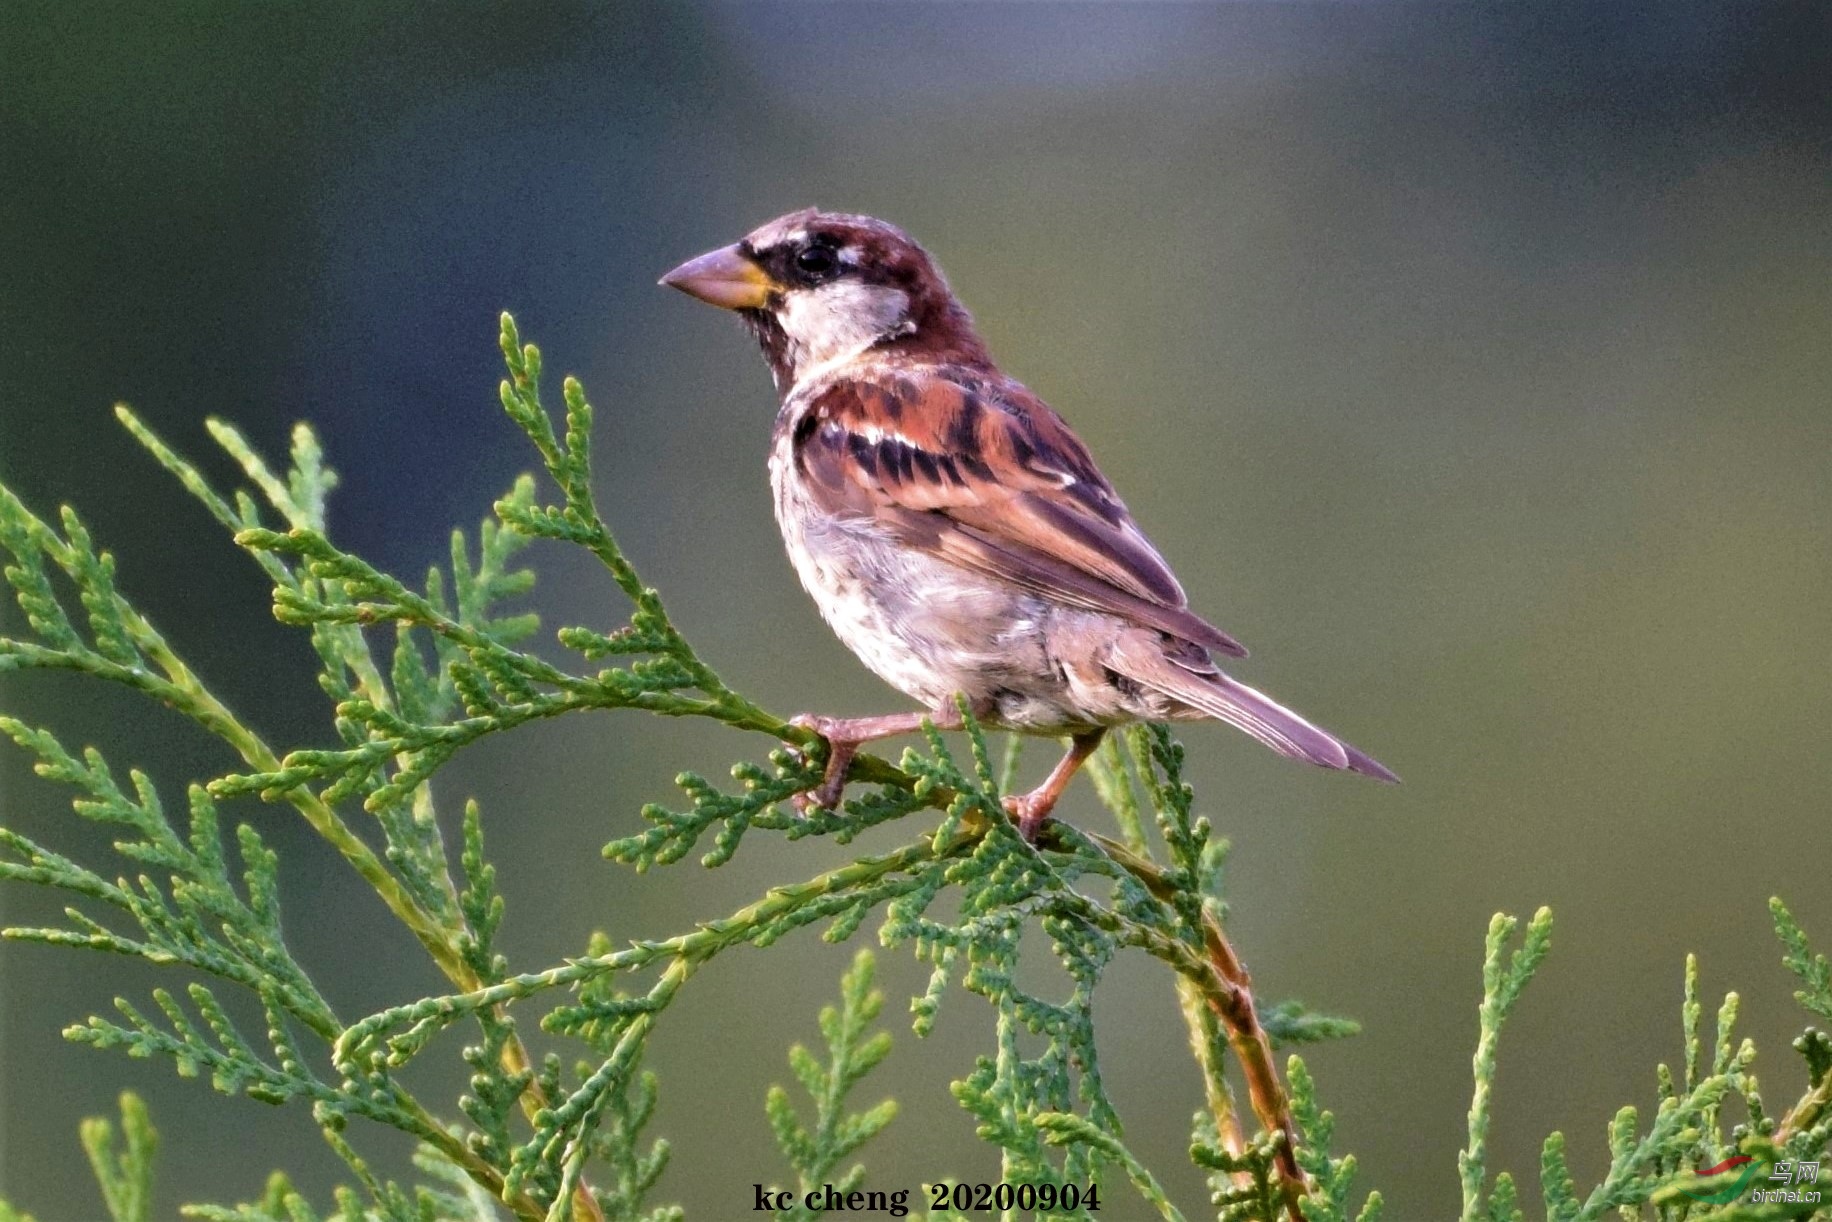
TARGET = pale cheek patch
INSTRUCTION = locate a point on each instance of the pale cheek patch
(840, 319)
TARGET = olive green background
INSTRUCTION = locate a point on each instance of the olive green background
(1469, 363)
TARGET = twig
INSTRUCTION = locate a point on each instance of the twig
(1254, 1048)
(1807, 1112)
(1229, 995)
(1200, 1020)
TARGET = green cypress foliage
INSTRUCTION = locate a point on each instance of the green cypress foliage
(816, 1154)
(417, 671)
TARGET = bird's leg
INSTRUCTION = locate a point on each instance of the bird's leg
(845, 735)
(1031, 809)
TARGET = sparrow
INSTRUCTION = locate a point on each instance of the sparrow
(953, 531)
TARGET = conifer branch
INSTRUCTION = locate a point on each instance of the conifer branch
(422, 894)
(1815, 976)
(1503, 980)
(836, 1135)
(552, 1142)
(125, 1175)
(1223, 984)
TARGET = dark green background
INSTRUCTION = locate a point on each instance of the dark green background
(1470, 363)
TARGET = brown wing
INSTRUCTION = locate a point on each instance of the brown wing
(983, 473)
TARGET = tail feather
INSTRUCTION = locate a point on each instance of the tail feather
(1367, 765)
(1245, 708)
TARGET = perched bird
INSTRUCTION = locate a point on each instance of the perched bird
(953, 531)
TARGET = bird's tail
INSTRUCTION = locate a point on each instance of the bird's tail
(1246, 709)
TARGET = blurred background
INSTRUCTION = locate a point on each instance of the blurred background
(1470, 363)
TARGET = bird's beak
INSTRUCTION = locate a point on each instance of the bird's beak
(726, 277)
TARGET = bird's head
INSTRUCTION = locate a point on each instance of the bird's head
(820, 288)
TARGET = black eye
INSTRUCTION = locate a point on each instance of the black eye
(817, 262)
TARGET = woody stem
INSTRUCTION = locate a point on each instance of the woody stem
(1229, 995)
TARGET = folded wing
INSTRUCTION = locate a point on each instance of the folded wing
(980, 471)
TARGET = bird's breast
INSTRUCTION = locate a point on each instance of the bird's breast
(927, 627)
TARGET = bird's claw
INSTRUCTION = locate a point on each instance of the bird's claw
(826, 795)
(1031, 811)
(812, 721)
